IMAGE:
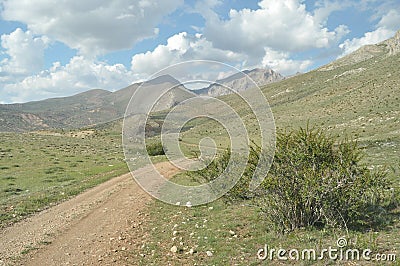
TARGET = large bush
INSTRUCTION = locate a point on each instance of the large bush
(316, 181)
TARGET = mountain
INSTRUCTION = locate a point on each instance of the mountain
(84, 109)
(357, 95)
(385, 48)
(239, 82)
(353, 90)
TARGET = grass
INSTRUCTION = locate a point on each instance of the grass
(43, 168)
(360, 101)
(356, 101)
(235, 232)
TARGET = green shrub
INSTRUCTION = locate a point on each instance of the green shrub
(313, 182)
(216, 167)
(155, 149)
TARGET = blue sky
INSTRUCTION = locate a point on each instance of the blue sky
(49, 50)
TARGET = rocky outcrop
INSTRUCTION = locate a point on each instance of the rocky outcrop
(242, 81)
(393, 44)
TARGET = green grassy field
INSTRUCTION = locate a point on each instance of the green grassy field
(43, 168)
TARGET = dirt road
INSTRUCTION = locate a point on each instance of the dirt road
(102, 226)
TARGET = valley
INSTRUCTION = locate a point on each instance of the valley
(44, 165)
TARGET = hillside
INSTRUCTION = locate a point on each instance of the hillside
(238, 82)
(357, 96)
(84, 109)
(100, 106)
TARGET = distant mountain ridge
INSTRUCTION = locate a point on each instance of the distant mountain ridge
(240, 82)
(84, 109)
(99, 106)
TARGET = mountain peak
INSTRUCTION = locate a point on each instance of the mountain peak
(162, 79)
(239, 82)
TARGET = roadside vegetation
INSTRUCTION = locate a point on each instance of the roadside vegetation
(321, 186)
(40, 169)
(318, 190)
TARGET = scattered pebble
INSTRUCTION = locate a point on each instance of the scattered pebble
(209, 253)
(174, 249)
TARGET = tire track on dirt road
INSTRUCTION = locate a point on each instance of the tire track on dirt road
(100, 226)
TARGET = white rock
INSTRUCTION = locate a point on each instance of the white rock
(209, 253)
(174, 249)
(188, 204)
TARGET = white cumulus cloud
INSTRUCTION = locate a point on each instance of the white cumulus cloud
(181, 47)
(25, 53)
(282, 63)
(279, 25)
(91, 26)
(386, 28)
(78, 75)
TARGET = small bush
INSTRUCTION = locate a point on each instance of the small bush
(313, 182)
(155, 149)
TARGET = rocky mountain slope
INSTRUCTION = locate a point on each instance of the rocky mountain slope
(387, 47)
(84, 109)
(239, 82)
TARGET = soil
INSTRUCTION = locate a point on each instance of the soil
(102, 226)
